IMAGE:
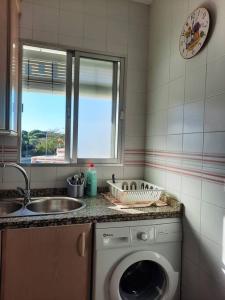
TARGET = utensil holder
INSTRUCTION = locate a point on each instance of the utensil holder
(75, 191)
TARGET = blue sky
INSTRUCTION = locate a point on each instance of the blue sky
(46, 111)
(43, 111)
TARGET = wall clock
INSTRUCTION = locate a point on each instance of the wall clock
(194, 32)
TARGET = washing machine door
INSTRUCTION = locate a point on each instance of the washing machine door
(143, 275)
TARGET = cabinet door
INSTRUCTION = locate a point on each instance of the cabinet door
(13, 40)
(3, 60)
(9, 64)
(51, 263)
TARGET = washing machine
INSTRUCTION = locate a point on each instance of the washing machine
(137, 260)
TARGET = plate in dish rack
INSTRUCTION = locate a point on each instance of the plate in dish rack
(194, 32)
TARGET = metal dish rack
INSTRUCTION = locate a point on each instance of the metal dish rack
(135, 191)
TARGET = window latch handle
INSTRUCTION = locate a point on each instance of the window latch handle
(121, 115)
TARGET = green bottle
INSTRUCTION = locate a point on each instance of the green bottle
(91, 181)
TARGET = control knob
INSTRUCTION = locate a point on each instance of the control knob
(143, 236)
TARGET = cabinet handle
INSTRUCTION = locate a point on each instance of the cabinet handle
(82, 243)
(18, 6)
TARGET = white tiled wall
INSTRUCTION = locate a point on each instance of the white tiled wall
(117, 27)
(186, 116)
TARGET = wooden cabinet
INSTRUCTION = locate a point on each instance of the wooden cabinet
(3, 60)
(9, 64)
(48, 263)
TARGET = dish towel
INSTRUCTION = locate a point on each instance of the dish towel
(158, 203)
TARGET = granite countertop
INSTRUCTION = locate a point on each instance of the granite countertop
(97, 210)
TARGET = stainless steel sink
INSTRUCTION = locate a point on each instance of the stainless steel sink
(55, 205)
(9, 207)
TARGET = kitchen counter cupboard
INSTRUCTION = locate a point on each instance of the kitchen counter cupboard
(9, 65)
(46, 263)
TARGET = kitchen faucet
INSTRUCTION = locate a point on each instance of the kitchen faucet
(24, 192)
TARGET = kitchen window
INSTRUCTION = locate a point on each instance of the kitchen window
(72, 106)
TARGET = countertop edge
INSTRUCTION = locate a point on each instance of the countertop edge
(98, 210)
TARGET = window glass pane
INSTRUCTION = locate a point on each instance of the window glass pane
(44, 105)
(97, 112)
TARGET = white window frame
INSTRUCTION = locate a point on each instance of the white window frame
(72, 142)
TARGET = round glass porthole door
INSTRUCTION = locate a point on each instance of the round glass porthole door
(143, 280)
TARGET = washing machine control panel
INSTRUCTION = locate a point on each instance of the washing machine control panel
(142, 234)
(128, 236)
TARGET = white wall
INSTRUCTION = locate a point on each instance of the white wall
(185, 139)
(118, 27)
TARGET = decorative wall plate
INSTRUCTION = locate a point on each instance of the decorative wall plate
(194, 32)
